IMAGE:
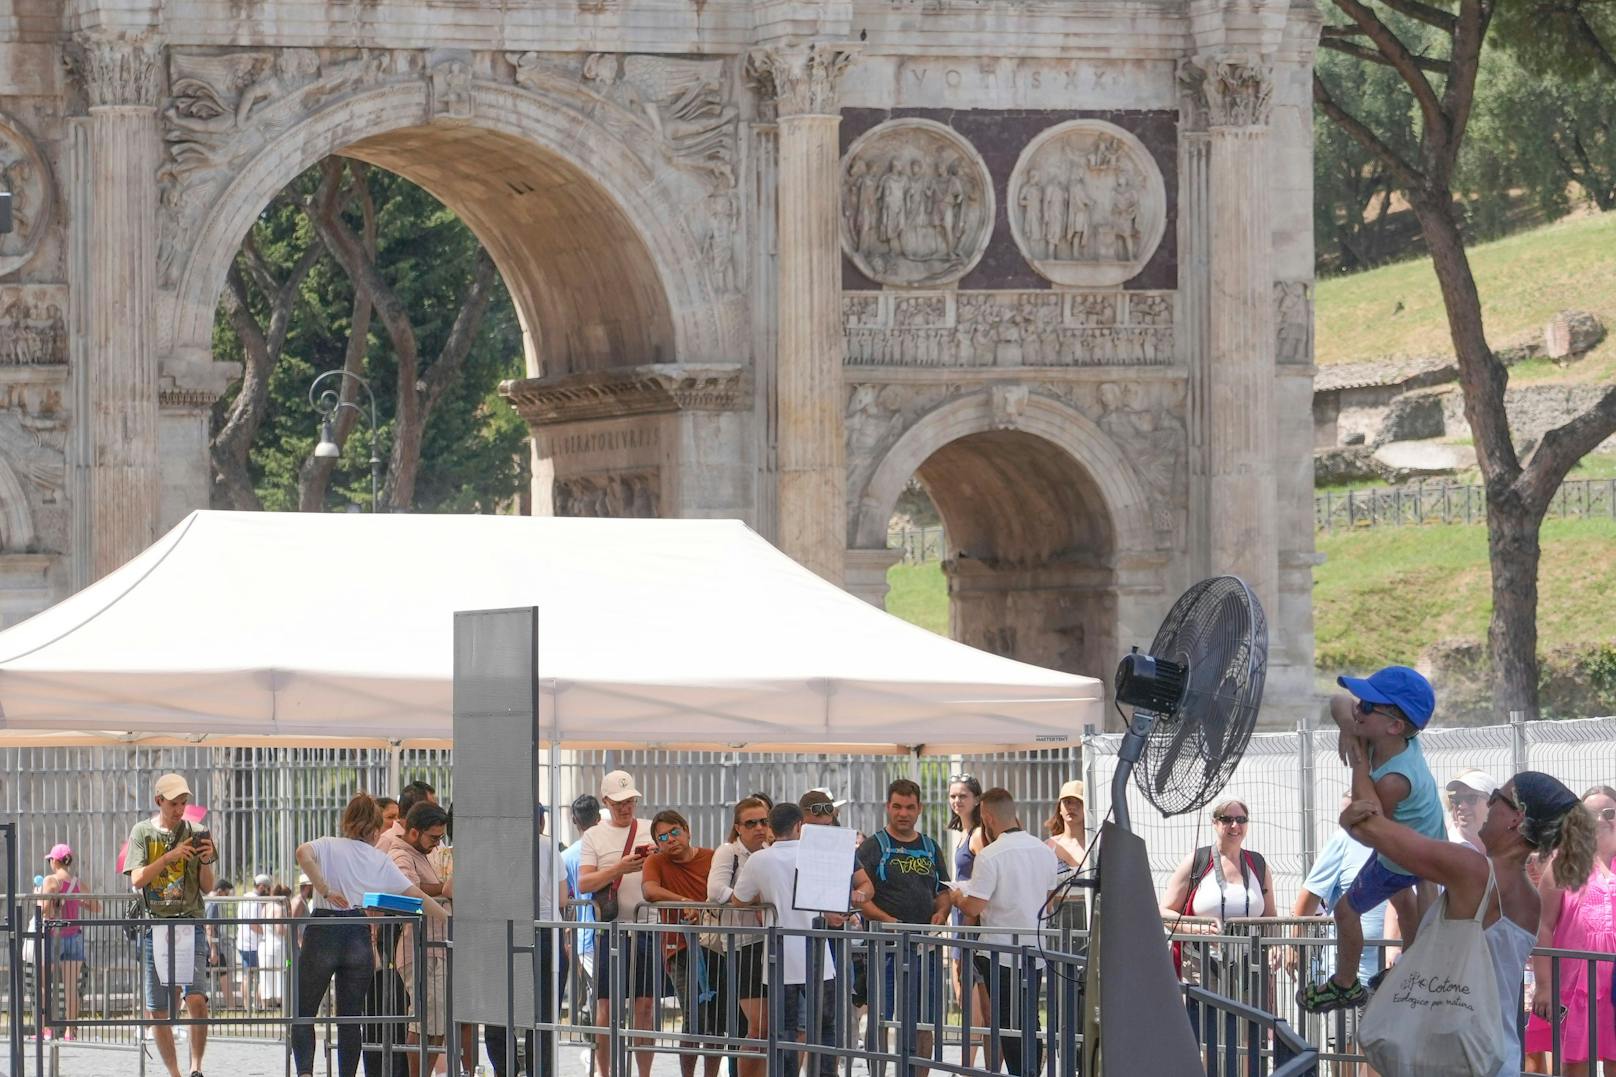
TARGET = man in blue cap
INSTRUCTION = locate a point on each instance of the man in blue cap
(1380, 722)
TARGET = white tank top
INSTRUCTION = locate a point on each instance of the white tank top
(1510, 945)
(1216, 896)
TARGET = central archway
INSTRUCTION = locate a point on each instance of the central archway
(575, 219)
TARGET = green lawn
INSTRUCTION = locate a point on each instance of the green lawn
(1523, 280)
(1383, 595)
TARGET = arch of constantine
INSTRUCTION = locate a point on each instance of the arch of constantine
(773, 259)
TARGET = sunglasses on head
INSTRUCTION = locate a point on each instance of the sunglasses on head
(1499, 795)
(953, 778)
(1234, 820)
(822, 808)
(669, 834)
(751, 824)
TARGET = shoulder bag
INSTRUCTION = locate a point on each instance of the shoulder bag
(606, 907)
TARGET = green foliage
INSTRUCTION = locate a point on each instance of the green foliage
(473, 454)
(1558, 39)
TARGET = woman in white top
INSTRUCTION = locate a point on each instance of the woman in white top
(343, 870)
(1227, 879)
(1531, 811)
(748, 834)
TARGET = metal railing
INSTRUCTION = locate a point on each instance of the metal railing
(1442, 502)
(111, 1013)
(919, 544)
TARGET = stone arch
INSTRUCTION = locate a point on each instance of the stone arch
(1046, 520)
(1116, 485)
(600, 272)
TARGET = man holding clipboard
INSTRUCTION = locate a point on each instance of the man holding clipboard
(802, 880)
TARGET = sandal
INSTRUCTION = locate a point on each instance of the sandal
(1329, 995)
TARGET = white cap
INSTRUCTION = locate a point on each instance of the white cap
(262, 880)
(618, 785)
(1478, 780)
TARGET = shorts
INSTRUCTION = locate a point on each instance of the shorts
(930, 978)
(1374, 884)
(435, 1014)
(70, 947)
(700, 989)
(750, 981)
(645, 966)
(249, 958)
(157, 996)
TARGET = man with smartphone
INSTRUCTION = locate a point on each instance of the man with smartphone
(170, 865)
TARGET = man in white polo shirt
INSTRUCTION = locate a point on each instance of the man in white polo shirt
(768, 878)
(1009, 887)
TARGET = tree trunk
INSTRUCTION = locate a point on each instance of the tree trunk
(1513, 551)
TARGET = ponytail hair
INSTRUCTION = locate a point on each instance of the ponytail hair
(1572, 837)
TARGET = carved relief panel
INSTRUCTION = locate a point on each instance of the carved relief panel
(33, 330)
(1087, 204)
(619, 495)
(33, 465)
(26, 177)
(917, 204)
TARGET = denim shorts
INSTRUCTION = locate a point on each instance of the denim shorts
(193, 981)
(71, 947)
(1375, 883)
(923, 986)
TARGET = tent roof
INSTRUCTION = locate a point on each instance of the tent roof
(250, 628)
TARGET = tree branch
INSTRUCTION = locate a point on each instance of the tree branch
(1405, 63)
(1459, 92)
(1405, 172)
(1560, 450)
(1596, 45)
(1348, 48)
(1431, 16)
(461, 335)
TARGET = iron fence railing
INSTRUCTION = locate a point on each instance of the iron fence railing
(919, 544)
(1443, 502)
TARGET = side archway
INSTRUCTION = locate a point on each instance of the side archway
(1042, 513)
(574, 218)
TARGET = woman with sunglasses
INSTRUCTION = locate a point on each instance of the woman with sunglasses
(679, 872)
(1531, 811)
(1583, 918)
(965, 820)
(749, 832)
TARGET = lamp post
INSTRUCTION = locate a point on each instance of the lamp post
(327, 402)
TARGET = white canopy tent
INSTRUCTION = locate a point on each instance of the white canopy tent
(255, 628)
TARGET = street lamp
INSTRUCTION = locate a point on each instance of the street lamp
(327, 402)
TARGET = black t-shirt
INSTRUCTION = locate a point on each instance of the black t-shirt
(914, 872)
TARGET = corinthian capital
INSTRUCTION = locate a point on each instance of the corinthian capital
(801, 80)
(1237, 88)
(117, 70)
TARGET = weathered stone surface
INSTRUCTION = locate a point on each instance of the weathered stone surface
(1411, 417)
(724, 313)
(1571, 333)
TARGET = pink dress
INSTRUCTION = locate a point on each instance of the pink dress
(1587, 922)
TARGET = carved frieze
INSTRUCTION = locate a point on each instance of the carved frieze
(24, 175)
(719, 244)
(451, 91)
(116, 71)
(1010, 329)
(210, 99)
(1293, 321)
(33, 329)
(644, 390)
(1236, 89)
(33, 476)
(799, 80)
(917, 204)
(1088, 206)
(618, 495)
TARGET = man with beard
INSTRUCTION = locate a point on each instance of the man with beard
(424, 828)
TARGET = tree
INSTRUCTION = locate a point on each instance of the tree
(463, 448)
(1436, 53)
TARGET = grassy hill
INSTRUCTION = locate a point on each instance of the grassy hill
(1523, 279)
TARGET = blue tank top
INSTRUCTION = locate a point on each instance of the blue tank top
(1421, 810)
(964, 864)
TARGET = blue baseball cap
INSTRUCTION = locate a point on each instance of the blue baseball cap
(1395, 686)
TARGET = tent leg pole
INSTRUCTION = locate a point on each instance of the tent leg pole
(395, 766)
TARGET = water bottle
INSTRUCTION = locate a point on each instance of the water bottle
(1530, 986)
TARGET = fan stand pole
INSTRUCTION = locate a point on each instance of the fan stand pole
(1133, 746)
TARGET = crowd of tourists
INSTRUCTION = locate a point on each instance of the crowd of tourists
(1525, 857)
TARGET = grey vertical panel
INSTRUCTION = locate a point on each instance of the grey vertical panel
(495, 736)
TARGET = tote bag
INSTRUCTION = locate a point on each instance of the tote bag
(1438, 1012)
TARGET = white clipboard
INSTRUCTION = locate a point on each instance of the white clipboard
(181, 938)
(824, 879)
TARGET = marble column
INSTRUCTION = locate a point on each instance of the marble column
(120, 77)
(1194, 298)
(1243, 510)
(811, 458)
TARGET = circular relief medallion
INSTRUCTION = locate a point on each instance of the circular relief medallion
(917, 204)
(1087, 204)
(25, 176)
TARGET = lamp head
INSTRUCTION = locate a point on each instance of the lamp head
(327, 449)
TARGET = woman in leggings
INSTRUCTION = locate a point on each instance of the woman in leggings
(343, 870)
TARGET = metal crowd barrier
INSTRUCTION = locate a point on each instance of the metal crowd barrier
(1026, 1011)
(111, 1014)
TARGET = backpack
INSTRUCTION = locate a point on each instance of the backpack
(889, 850)
(1200, 867)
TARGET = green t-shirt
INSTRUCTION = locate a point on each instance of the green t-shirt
(177, 889)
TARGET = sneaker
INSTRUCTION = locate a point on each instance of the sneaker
(1329, 995)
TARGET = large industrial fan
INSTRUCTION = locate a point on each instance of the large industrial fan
(1195, 696)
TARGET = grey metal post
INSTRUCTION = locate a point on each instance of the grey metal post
(1090, 781)
(1310, 808)
(1517, 741)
